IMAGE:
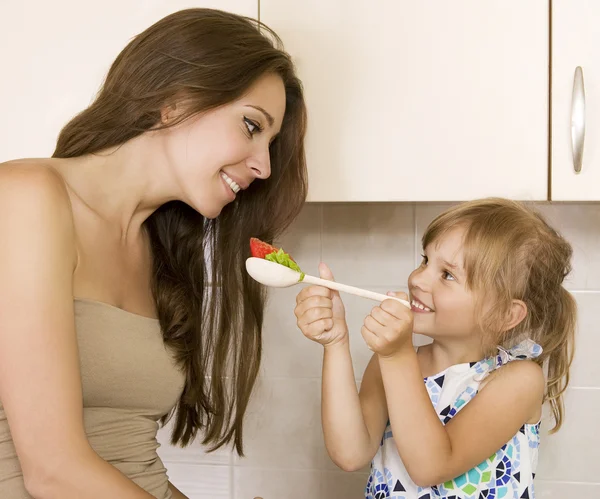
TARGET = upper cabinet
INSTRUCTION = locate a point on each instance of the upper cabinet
(421, 101)
(55, 55)
(407, 100)
(575, 100)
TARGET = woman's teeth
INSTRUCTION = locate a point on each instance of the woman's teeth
(234, 187)
(417, 304)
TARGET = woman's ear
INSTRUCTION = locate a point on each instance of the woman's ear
(167, 114)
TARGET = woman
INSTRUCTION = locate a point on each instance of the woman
(123, 299)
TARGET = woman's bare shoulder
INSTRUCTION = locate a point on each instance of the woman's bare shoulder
(34, 196)
(34, 180)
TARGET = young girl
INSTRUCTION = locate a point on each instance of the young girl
(458, 418)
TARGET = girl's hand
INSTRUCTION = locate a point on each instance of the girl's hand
(320, 312)
(388, 329)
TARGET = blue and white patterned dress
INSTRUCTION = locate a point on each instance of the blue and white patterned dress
(508, 473)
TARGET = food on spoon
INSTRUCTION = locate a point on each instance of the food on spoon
(260, 249)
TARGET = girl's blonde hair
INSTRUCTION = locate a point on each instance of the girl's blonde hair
(511, 253)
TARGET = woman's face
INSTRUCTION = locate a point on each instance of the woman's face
(216, 154)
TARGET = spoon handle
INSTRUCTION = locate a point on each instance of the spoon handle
(371, 295)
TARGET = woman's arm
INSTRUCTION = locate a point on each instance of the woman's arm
(40, 383)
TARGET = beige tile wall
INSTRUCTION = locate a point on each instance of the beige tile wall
(376, 246)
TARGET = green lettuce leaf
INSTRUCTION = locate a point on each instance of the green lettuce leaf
(282, 258)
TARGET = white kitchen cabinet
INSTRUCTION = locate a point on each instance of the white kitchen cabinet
(421, 101)
(575, 105)
(54, 56)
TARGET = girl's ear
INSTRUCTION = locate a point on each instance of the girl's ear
(518, 312)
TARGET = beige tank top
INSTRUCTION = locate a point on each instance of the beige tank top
(130, 380)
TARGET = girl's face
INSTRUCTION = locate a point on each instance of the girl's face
(215, 155)
(443, 306)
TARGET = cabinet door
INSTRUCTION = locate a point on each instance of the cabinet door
(575, 104)
(55, 54)
(421, 101)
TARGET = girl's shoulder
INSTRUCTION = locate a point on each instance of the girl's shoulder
(525, 379)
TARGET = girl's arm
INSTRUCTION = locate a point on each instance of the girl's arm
(434, 453)
(431, 452)
(352, 425)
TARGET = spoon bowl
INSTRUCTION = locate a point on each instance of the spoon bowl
(271, 273)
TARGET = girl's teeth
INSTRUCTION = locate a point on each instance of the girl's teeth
(234, 187)
(421, 306)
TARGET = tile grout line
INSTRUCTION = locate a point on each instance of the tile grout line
(540, 480)
(231, 468)
(404, 286)
(550, 86)
(316, 378)
(416, 238)
(321, 224)
(359, 473)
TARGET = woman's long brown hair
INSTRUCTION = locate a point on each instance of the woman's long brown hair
(210, 311)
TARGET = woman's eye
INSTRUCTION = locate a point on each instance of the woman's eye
(252, 126)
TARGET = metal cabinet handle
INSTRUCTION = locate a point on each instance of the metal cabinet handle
(578, 119)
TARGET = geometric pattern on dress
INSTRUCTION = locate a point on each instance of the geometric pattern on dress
(383, 486)
(498, 476)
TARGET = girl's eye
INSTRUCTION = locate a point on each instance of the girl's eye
(425, 260)
(447, 276)
(252, 126)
